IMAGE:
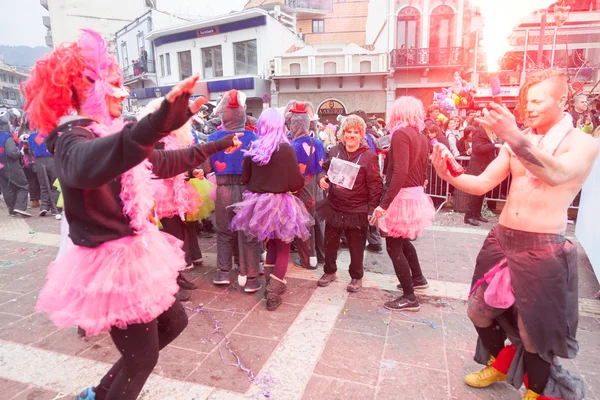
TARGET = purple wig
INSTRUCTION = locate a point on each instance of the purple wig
(271, 131)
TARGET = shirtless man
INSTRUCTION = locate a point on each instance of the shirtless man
(549, 163)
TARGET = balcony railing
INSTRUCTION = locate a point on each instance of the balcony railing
(139, 68)
(507, 78)
(441, 56)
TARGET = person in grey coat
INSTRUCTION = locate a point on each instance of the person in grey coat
(12, 178)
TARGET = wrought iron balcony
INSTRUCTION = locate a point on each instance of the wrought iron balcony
(139, 68)
(440, 56)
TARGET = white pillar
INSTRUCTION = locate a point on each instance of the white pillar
(392, 25)
(459, 22)
(390, 96)
(424, 42)
(348, 63)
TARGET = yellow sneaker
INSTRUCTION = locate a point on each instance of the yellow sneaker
(485, 377)
(531, 395)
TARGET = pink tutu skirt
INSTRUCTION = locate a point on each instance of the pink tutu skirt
(126, 281)
(167, 199)
(272, 216)
(409, 214)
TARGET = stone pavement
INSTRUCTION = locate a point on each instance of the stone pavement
(320, 344)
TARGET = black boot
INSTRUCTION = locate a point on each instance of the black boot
(184, 283)
(275, 289)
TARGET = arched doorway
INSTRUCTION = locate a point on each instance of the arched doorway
(329, 110)
(407, 29)
(442, 27)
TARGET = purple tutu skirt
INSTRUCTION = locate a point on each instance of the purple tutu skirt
(409, 214)
(272, 216)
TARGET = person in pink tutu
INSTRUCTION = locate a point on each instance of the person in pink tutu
(405, 210)
(268, 210)
(120, 274)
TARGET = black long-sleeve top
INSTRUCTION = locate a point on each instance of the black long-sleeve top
(407, 163)
(280, 175)
(89, 171)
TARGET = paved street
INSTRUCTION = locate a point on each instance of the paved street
(320, 344)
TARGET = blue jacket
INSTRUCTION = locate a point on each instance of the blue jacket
(4, 136)
(38, 150)
(302, 146)
(230, 164)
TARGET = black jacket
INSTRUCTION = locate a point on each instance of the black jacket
(89, 170)
(366, 192)
(484, 152)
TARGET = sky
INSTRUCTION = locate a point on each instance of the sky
(21, 20)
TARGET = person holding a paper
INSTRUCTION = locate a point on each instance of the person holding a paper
(355, 188)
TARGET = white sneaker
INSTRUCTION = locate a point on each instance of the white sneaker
(58, 217)
(188, 267)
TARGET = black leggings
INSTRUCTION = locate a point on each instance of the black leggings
(139, 345)
(406, 262)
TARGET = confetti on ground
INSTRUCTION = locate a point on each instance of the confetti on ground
(345, 311)
(445, 304)
(265, 382)
(421, 320)
(383, 312)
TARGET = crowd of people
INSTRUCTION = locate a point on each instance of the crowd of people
(136, 192)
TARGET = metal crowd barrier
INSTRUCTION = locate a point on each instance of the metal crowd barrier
(438, 188)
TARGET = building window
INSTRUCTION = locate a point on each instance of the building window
(245, 57)
(407, 32)
(318, 26)
(185, 64)
(13, 96)
(124, 54)
(6, 96)
(11, 79)
(212, 61)
(330, 68)
(162, 65)
(442, 27)
(295, 69)
(365, 67)
(168, 58)
(140, 43)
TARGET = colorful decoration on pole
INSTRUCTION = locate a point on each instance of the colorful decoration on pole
(454, 98)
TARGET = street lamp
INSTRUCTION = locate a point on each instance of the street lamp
(157, 92)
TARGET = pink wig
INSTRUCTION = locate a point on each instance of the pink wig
(407, 111)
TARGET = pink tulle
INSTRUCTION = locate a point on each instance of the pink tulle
(171, 201)
(213, 192)
(126, 281)
(409, 214)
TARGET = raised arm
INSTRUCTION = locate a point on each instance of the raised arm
(87, 162)
(166, 164)
(478, 185)
(553, 170)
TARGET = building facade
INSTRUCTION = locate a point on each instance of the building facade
(233, 51)
(326, 21)
(136, 54)
(67, 17)
(337, 78)
(10, 82)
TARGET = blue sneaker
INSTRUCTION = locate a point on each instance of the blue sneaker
(87, 394)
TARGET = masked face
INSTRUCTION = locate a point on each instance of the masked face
(114, 101)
